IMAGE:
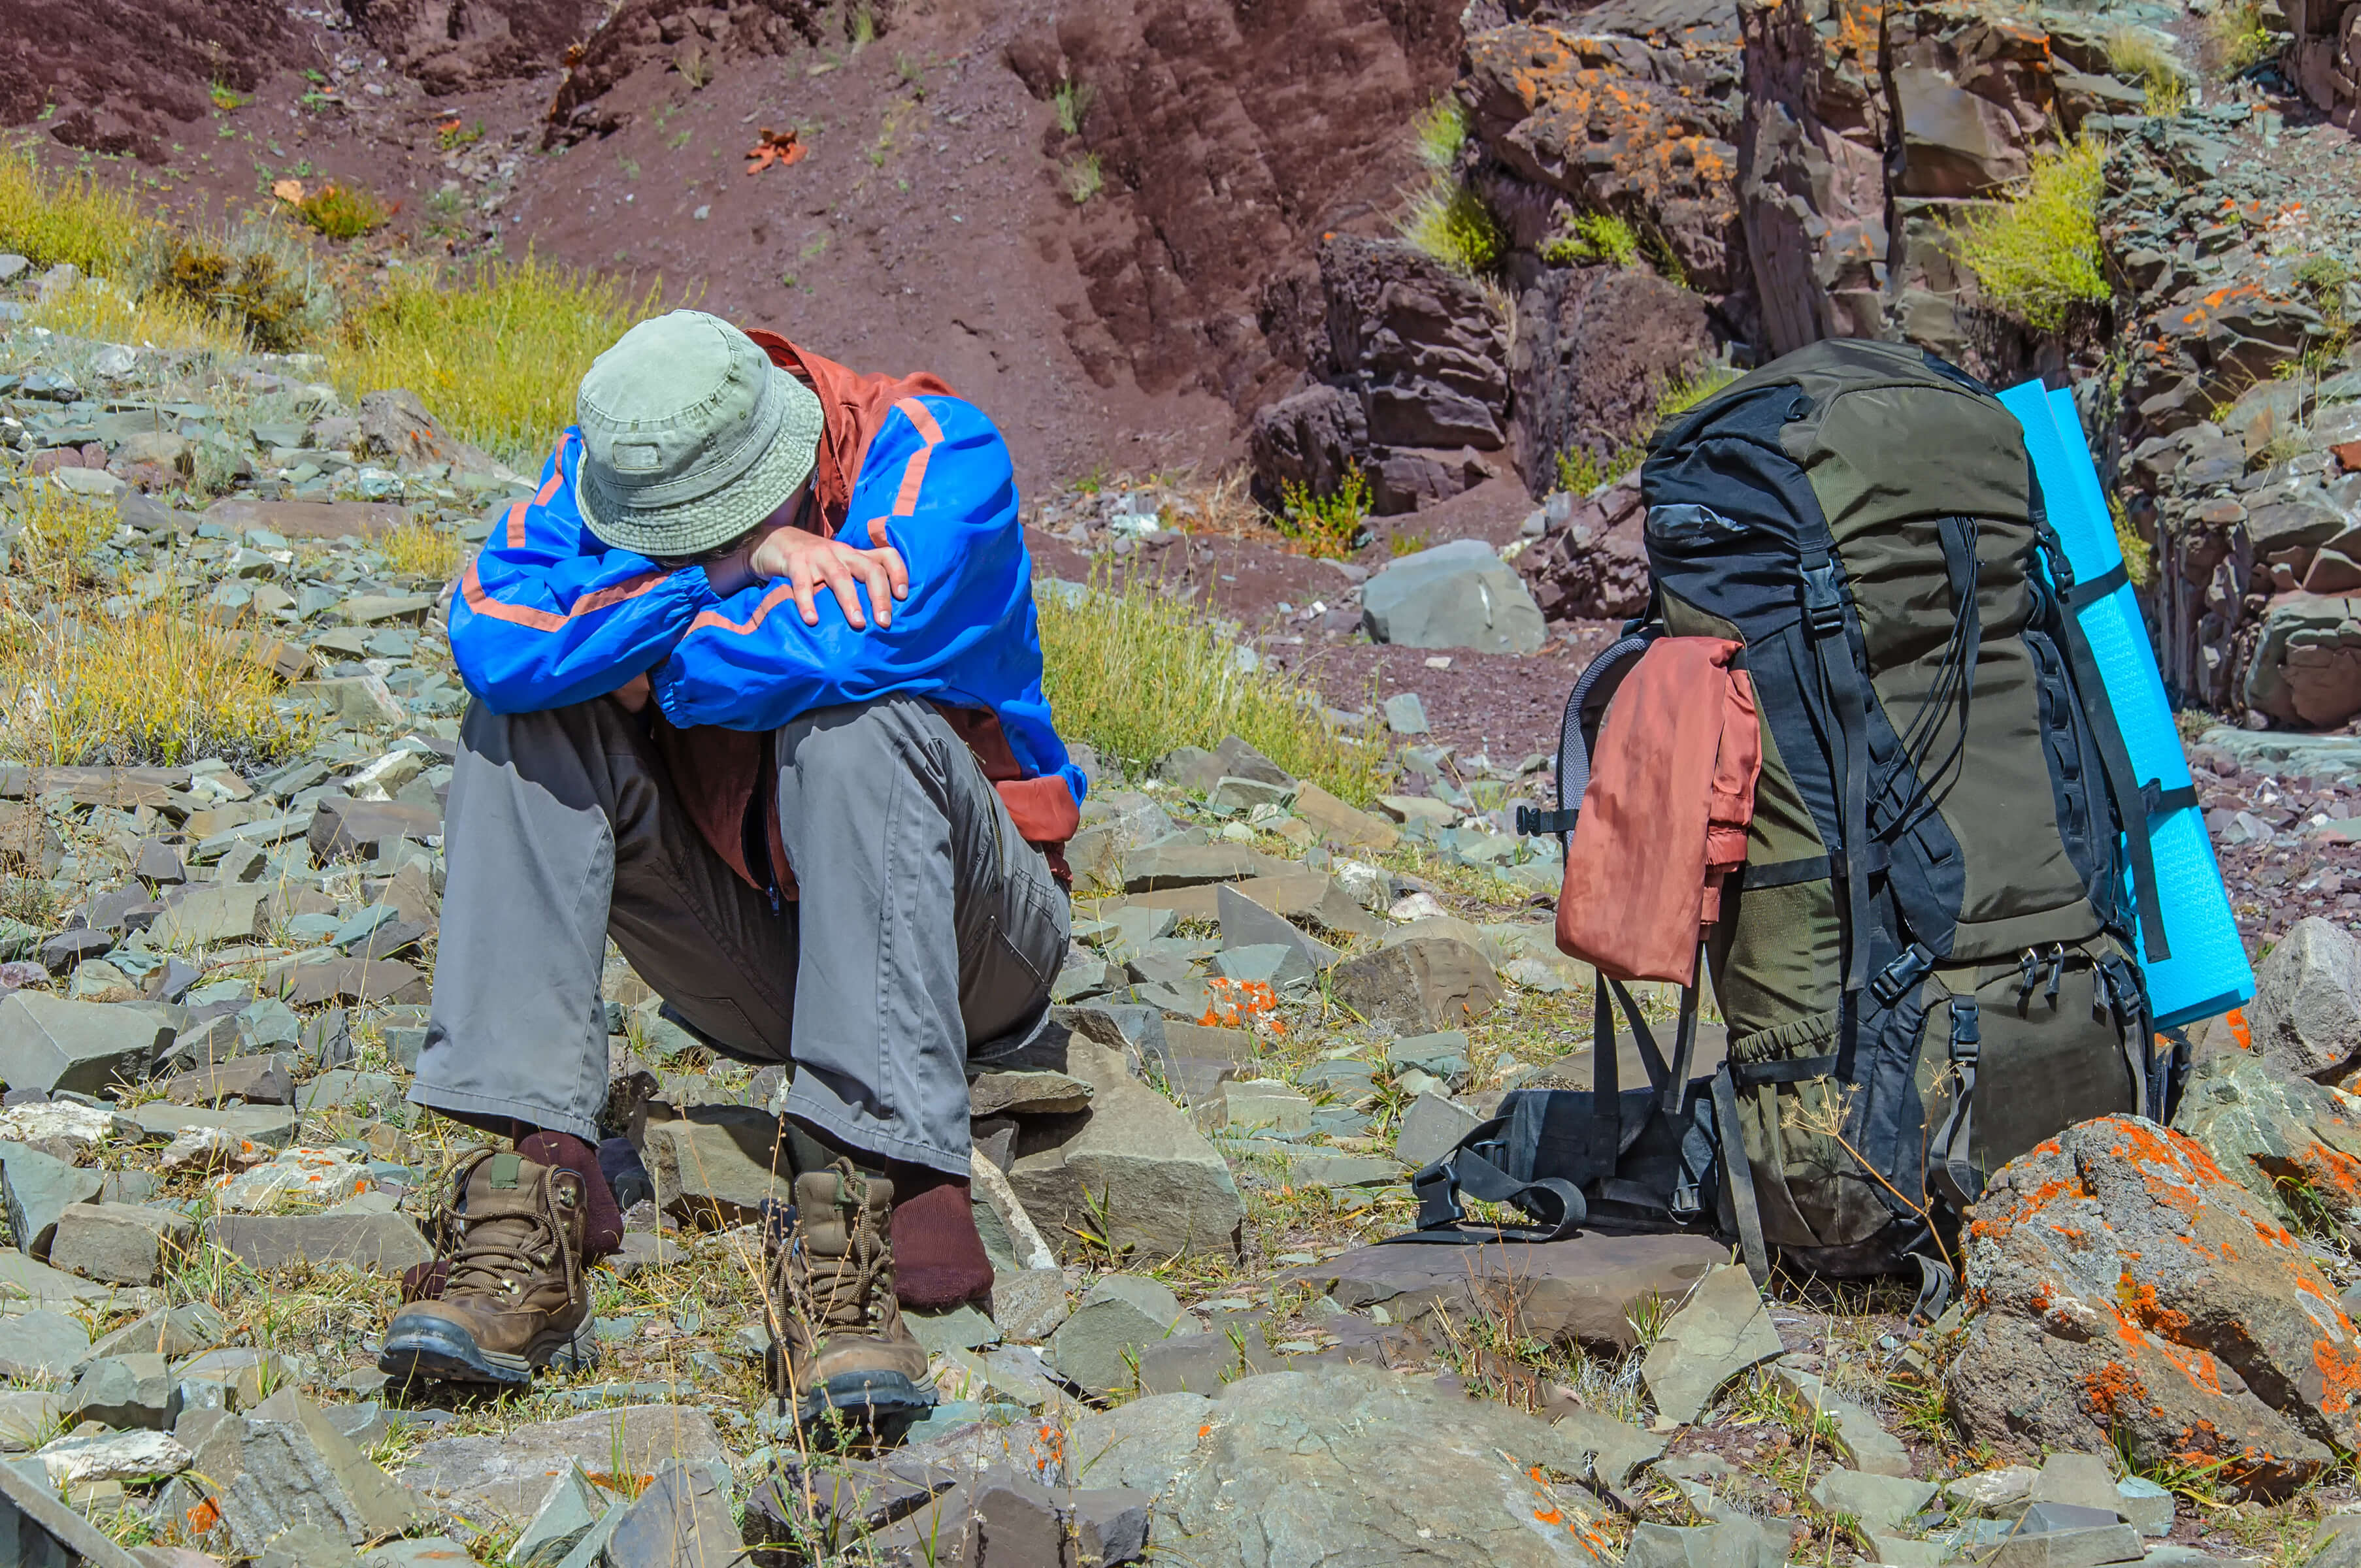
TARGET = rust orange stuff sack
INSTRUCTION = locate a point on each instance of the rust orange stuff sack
(1666, 812)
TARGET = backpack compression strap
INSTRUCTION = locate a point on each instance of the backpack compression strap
(1583, 705)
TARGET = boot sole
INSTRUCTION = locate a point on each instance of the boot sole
(875, 1400)
(440, 1352)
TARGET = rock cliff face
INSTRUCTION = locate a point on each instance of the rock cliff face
(2234, 237)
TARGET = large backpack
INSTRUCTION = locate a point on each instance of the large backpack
(1926, 964)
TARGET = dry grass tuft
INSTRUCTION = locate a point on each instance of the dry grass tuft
(498, 356)
(74, 219)
(155, 687)
(421, 550)
(61, 530)
(1140, 672)
(106, 313)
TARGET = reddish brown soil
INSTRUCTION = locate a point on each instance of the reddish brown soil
(930, 225)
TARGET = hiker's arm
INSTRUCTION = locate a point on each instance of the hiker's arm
(943, 496)
(546, 616)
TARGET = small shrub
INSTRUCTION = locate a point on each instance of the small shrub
(1439, 134)
(1682, 393)
(2036, 256)
(158, 686)
(2324, 277)
(225, 97)
(421, 550)
(1405, 544)
(74, 219)
(1071, 102)
(61, 530)
(1140, 672)
(1081, 177)
(1597, 236)
(2240, 38)
(2139, 557)
(451, 135)
(342, 212)
(255, 278)
(2136, 56)
(1581, 470)
(1451, 224)
(113, 315)
(497, 355)
(1328, 525)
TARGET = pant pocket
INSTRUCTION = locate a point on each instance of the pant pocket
(1018, 958)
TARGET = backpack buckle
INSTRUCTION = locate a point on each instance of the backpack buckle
(1823, 605)
(1966, 1036)
(1532, 822)
(1895, 981)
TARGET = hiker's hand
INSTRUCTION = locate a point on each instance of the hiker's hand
(633, 694)
(808, 562)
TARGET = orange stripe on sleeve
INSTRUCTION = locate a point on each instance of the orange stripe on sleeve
(541, 497)
(769, 602)
(479, 600)
(914, 475)
(516, 524)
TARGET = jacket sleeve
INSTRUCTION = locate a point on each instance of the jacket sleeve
(547, 616)
(938, 474)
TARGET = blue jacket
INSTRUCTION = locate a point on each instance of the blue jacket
(548, 615)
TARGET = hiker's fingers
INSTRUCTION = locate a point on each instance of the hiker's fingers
(841, 570)
(881, 548)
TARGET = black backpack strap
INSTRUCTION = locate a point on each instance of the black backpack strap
(1739, 1212)
(1825, 622)
(1584, 706)
(1557, 1203)
(1950, 1168)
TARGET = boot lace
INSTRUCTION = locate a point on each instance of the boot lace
(835, 1293)
(492, 1255)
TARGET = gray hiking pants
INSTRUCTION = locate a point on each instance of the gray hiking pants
(925, 934)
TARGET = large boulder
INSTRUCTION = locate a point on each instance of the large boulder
(1310, 438)
(2307, 664)
(1131, 1168)
(1633, 112)
(1419, 985)
(1591, 561)
(1287, 1466)
(1419, 344)
(2291, 1142)
(2128, 1293)
(2306, 1015)
(1596, 349)
(1460, 595)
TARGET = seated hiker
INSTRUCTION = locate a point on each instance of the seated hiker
(757, 694)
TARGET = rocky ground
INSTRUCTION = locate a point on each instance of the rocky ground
(1277, 1005)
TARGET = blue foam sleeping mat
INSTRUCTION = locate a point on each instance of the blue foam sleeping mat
(2208, 973)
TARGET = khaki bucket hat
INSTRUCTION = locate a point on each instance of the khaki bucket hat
(690, 436)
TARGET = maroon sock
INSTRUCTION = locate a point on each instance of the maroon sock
(602, 1227)
(938, 1258)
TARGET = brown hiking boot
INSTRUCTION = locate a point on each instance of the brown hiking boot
(516, 1298)
(839, 1342)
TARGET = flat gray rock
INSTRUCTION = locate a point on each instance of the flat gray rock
(1459, 595)
(273, 1126)
(1721, 1330)
(379, 1243)
(507, 1475)
(1582, 1289)
(49, 1043)
(42, 1344)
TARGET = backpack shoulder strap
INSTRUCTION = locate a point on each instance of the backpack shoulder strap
(1584, 708)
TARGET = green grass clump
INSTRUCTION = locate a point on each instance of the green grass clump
(342, 212)
(2139, 557)
(1597, 236)
(74, 219)
(158, 686)
(1329, 525)
(497, 355)
(1072, 102)
(1451, 224)
(257, 279)
(1140, 672)
(1081, 177)
(1439, 134)
(2240, 35)
(2138, 56)
(2036, 256)
(1581, 470)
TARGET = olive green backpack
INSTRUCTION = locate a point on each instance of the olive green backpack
(1925, 965)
